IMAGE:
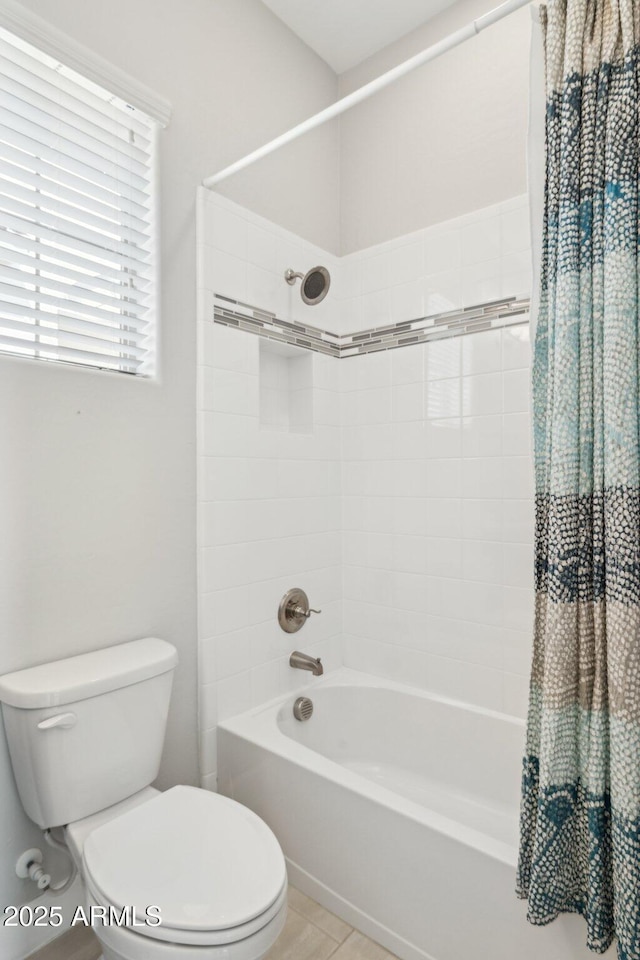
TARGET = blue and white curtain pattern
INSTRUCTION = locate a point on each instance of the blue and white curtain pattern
(580, 821)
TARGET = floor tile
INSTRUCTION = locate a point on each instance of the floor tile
(359, 947)
(80, 943)
(310, 933)
(301, 940)
(328, 922)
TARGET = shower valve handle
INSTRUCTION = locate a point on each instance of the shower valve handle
(301, 612)
(294, 610)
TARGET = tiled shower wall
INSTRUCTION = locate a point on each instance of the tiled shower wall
(244, 256)
(395, 487)
(481, 257)
(438, 516)
(268, 520)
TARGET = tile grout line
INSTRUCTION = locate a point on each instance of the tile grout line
(340, 944)
(306, 919)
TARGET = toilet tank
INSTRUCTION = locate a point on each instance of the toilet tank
(87, 732)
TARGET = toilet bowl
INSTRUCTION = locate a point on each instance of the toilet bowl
(85, 737)
(212, 869)
(119, 943)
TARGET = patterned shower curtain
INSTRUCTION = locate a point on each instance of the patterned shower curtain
(580, 820)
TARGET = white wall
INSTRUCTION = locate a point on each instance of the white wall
(97, 482)
(447, 139)
(306, 178)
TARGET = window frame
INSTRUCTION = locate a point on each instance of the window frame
(96, 71)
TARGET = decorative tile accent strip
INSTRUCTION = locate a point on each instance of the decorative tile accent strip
(233, 313)
(455, 323)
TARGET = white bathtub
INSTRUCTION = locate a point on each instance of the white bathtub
(397, 810)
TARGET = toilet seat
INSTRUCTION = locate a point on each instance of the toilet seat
(213, 867)
(123, 943)
(192, 938)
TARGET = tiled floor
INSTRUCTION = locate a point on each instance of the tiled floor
(310, 933)
(77, 944)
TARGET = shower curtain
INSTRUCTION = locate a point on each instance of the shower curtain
(580, 818)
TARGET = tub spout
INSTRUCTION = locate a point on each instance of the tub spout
(302, 661)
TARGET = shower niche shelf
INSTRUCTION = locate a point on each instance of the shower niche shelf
(286, 388)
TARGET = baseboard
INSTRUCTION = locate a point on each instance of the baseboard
(353, 915)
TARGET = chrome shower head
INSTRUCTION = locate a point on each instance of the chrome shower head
(315, 284)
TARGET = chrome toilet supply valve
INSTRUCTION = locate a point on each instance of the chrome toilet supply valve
(294, 610)
(29, 866)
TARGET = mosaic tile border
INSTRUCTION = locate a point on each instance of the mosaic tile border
(234, 313)
(455, 323)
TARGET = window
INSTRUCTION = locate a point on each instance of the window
(77, 257)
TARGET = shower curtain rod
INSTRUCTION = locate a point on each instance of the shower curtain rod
(431, 53)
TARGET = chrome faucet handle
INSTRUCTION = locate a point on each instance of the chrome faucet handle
(301, 612)
(294, 610)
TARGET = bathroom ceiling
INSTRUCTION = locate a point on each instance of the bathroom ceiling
(345, 32)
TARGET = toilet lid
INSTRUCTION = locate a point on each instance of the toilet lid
(208, 862)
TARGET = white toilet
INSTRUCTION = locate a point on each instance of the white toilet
(85, 737)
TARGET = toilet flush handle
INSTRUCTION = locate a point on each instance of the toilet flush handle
(60, 720)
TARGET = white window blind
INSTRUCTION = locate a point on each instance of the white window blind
(77, 258)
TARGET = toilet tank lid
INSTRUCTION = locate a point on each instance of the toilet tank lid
(88, 675)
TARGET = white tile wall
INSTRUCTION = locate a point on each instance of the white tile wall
(269, 519)
(473, 259)
(438, 518)
(251, 255)
(403, 500)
